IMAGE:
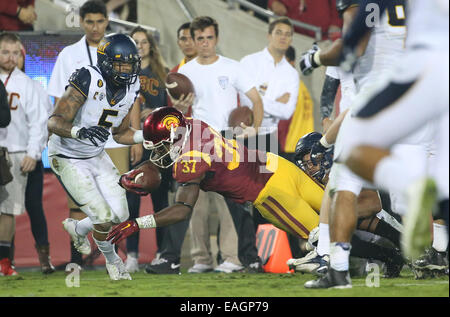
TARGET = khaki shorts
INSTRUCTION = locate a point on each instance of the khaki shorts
(121, 159)
(12, 195)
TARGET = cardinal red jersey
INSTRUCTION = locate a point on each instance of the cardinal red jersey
(230, 168)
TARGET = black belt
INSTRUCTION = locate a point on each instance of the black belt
(75, 158)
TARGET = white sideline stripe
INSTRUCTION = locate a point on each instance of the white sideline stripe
(410, 284)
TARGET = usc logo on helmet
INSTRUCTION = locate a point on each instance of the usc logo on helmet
(170, 121)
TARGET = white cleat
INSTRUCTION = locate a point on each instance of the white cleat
(117, 271)
(416, 237)
(81, 243)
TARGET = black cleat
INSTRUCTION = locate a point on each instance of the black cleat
(394, 265)
(163, 266)
(333, 279)
(432, 263)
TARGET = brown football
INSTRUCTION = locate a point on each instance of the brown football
(240, 114)
(150, 177)
(178, 84)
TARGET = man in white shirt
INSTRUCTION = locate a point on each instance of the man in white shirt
(25, 138)
(217, 81)
(277, 83)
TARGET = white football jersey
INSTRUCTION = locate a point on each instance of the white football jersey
(386, 45)
(96, 111)
(428, 24)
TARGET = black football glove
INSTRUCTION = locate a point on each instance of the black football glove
(307, 63)
(93, 133)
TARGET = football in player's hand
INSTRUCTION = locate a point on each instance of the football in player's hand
(149, 178)
(178, 84)
(240, 114)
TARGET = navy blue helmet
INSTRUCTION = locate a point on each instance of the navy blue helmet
(305, 144)
(118, 48)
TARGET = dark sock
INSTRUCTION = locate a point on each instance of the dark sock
(75, 256)
(364, 249)
(4, 249)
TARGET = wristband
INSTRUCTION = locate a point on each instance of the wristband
(138, 136)
(316, 59)
(74, 132)
(324, 143)
(146, 222)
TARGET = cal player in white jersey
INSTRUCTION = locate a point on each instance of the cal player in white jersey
(416, 93)
(378, 50)
(97, 101)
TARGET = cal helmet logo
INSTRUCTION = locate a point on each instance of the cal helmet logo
(101, 48)
(100, 83)
(170, 121)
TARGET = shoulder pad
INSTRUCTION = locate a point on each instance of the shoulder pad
(342, 5)
(81, 80)
(191, 165)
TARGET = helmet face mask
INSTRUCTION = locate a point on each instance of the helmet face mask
(165, 135)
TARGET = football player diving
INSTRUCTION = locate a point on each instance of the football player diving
(202, 159)
(97, 100)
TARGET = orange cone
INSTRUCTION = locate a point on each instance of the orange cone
(273, 249)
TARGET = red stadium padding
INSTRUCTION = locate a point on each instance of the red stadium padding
(55, 206)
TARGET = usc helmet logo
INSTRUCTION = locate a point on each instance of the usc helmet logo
(170, 121)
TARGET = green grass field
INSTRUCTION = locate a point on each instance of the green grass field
(96, 283)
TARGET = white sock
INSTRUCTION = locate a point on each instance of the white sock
(108, 250)
(339, 255)
(323, 245)
(390, 175)
(440, 237)
(84, 226)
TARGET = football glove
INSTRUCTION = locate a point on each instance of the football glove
(126, 181)
(93, 133)
(307, 62)
(122, 231)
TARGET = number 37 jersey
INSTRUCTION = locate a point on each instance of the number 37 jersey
(99, 109)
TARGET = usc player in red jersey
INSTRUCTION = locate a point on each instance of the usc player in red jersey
(203, 159)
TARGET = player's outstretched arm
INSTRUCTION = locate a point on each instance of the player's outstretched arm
(60, 122)
(186, 197)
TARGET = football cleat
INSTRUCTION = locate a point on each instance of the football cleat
(311, 263)
(81, 243)
(163, 266)
(117, 271)
(394, 265)
(432, 263)
(416, 237)
(333, 279)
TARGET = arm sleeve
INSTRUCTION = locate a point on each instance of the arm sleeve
(328, 95)
(283, 110)
(5, 113)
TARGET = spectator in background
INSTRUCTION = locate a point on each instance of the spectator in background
(17, 15)
(321, 13)
(186, 45)
(34, 188)
(217, 81)
(25, 139)
(277, 83)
